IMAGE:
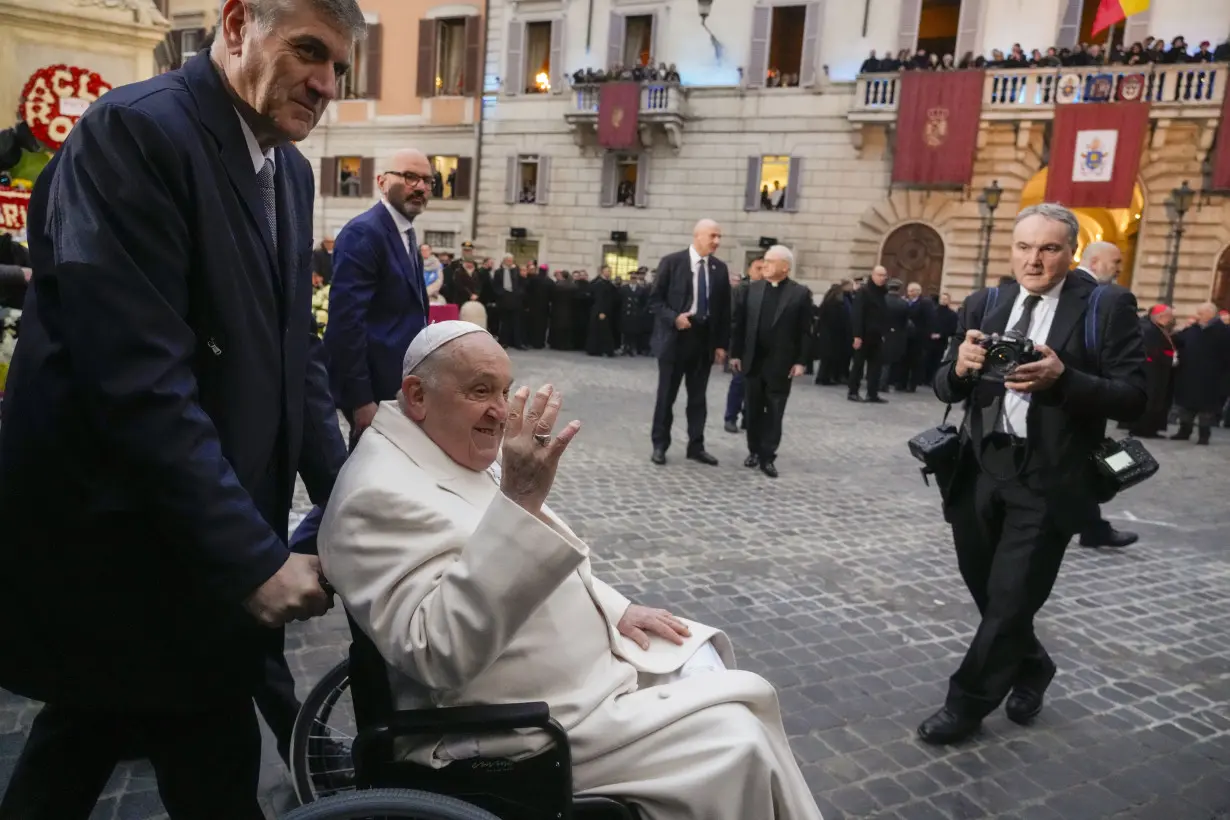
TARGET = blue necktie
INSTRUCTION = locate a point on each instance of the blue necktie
(702, 291)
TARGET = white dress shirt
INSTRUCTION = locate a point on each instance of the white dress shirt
(403, 226)
(254, 148)
(1016, 405)
(696, 259)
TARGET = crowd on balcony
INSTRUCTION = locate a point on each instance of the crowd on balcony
(1151, 50)
(619, 73)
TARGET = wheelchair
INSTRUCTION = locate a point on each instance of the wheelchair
(353, 704)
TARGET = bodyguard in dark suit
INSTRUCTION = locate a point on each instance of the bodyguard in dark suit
(690, 301)
(869, 323)
(167, 387)
(508, 292)
(1100, 263)
(770, 345)
(1023, 482)
(921, 326)
(378, 302)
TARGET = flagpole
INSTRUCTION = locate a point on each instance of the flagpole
(1110, 43)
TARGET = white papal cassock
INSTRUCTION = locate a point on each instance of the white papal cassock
(470, 599)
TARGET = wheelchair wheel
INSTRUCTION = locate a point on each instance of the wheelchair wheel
(376, 804)
(320, 762)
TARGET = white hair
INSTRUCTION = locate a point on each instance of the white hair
(345, 13)
(1094, 250)
(781, 252)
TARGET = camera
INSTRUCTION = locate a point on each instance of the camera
(1005, 353)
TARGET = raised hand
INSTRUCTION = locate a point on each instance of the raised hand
(531, 452)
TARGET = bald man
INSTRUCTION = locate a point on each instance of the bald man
(378, 302)
(1101, 261)
(690, 303)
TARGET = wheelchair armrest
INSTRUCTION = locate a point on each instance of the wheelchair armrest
(482, 718)
(476, 720)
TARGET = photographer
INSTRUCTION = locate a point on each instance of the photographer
(1022, 480)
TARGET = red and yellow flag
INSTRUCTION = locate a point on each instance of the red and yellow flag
(1111, 12)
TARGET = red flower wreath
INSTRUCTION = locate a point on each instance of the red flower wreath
(43, 99)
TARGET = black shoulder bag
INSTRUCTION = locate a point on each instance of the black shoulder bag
(939, 447)
(1120, 464)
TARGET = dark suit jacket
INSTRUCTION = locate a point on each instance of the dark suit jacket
(791, 331)
(377, 305)
(868, 312)
(1067, 422)
(167, 386)
(507, 299)
(672, 294)
(896, 328)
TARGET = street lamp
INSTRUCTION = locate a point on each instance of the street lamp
(1177, 206)
(989, 202)
(706, 6)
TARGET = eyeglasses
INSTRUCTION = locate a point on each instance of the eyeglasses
(410, 178)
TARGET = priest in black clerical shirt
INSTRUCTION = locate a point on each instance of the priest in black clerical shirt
(770, 342)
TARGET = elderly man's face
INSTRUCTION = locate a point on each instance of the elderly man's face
(1041, 253)
(879, 276)
(288, 75)
(465, 410)
(913, 291)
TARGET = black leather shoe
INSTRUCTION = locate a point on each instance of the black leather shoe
(769, 468)
(731, 427)
(1025, 702)
(703, 457)
(853, 397)
(875, 400)
(658, 457)
(946, 726)
(1109, 538)
(752, 461)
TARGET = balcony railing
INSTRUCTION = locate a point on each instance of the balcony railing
(1026, 92)
(656, 98)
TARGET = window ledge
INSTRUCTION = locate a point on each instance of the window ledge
(448, 204)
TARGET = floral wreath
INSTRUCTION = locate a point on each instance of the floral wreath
(42, 130)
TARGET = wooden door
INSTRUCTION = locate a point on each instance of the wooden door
(915, 253)
(1221, 281)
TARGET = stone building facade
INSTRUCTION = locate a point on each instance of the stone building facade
(416, 83)
(710, 145)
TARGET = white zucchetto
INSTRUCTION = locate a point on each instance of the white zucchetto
(432, 338)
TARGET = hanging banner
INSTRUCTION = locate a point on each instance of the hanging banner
(1095, 154)
(55, 97)
(1221, 152)
(937, 127)
(619, 106)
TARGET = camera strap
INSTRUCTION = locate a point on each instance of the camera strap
(975, 412)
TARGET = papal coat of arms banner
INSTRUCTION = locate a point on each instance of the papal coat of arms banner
(1095, 154)
(937, 128)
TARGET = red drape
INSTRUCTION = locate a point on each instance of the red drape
(937, 127)
(1221, 154)
(442, 313)
(1095, 154)
(618, 107)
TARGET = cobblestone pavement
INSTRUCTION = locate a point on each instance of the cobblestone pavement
(838, 583)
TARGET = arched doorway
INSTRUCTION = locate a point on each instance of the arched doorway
(914, 252)
(1221, 281)
(1117, 225)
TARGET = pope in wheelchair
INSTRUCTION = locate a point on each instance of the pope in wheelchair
(475, 592)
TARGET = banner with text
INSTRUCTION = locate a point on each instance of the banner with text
(937, 127)
(1095, 154)
(1221, 153)
(618, 107)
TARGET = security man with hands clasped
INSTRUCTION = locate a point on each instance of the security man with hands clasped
(1023, 479)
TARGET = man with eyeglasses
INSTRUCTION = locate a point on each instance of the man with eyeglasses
(378, 302)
